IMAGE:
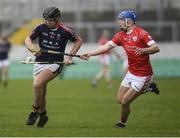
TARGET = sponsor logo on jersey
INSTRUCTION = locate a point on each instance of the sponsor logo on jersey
(58, 36)
(135, 38)
(149, 37)
(45, 34)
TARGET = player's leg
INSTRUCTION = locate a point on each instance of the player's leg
(50, 75)
(136, 86)
(0, 75)
(5, 76)
(38, 92)
(106, 70)
(41, 84)
(42, 74)
(40, 81)
(100, 74)
(102, 61)
(125, 101)
(0, 72)
(42, 112)
(153, 88)
(124, 87)
(107, 75)
(121, 92)
(43, 103)
(98, 77)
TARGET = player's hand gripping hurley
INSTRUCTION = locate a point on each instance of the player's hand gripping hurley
(29, 60)
(58, 53)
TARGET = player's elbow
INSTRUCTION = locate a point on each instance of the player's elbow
(157, 49)
(79, 42)
(27, 41)
(154, 49)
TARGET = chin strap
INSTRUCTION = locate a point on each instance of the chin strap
(126, 24)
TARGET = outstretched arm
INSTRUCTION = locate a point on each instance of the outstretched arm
(98, 51)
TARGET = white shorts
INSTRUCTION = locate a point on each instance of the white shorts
(136, 82)
(104, 59)
(4, 63)
(40, 67)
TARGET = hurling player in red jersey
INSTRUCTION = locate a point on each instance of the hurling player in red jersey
(138, 45)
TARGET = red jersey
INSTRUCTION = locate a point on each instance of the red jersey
(102, 41)
(138, 65)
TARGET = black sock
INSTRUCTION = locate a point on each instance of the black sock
(43, 113)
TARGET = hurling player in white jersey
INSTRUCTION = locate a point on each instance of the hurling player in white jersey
(138, 45)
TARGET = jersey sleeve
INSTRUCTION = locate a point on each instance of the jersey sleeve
(35, 33)
(148, 40)
(9, 45)
(115, 40)
(72, 36)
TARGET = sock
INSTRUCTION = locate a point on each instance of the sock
(123, 121)
(35, 109)
(43, 113)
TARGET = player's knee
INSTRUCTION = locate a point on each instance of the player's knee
(124, 102)
(38, 85)
(119, 99)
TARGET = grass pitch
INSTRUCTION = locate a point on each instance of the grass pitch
(76, 109)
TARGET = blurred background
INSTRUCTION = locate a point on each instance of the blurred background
(89, 18)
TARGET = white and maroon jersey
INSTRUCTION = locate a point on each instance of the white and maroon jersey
(138, 65)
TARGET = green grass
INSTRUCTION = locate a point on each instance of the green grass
(76, 109)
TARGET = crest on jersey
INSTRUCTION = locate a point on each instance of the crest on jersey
(51, 36)
(135, 38)
(149, 37)
(58, 36)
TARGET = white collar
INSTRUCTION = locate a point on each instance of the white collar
(54, 29)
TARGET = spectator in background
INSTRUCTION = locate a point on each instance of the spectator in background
(5, 46)
(104, 60)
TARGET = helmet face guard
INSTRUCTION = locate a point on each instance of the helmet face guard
(126, 15)
(52, 13)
